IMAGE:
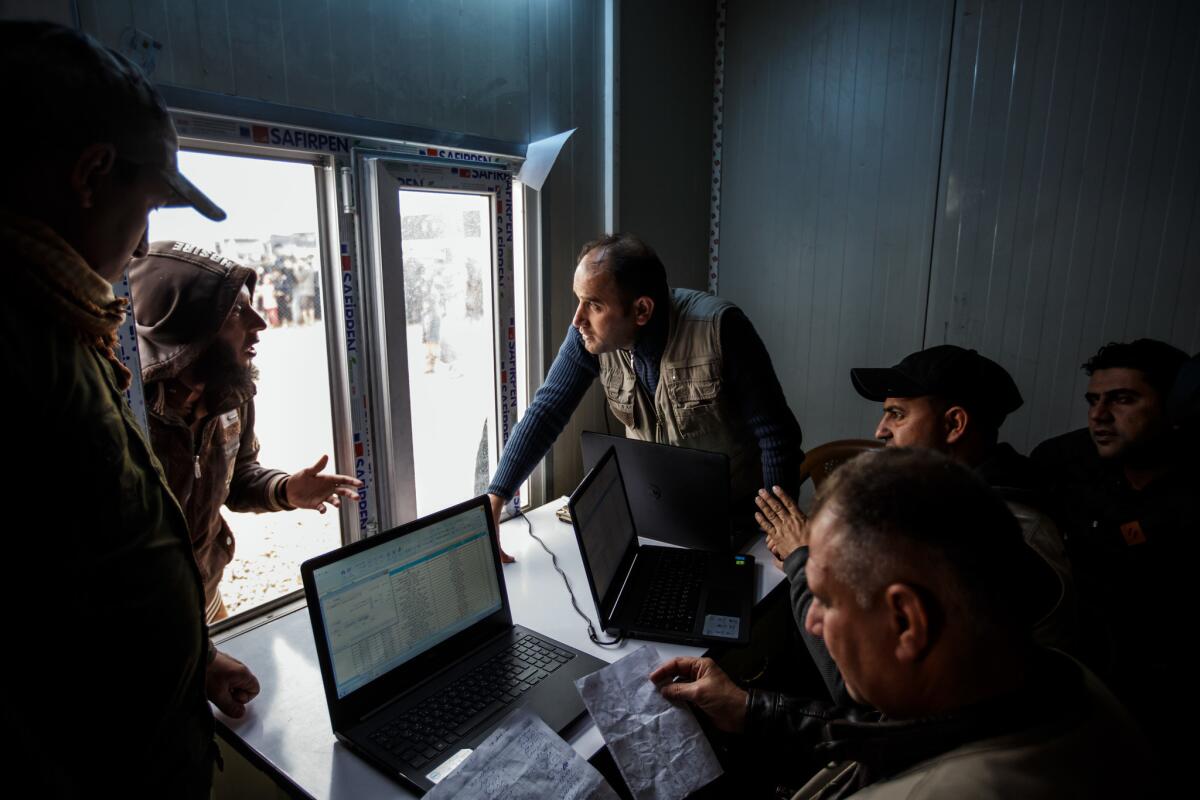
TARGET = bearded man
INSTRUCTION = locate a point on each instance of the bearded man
(197, 331)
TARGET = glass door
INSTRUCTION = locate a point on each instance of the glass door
(440, 247)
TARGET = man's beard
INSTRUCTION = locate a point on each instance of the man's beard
(226, 382)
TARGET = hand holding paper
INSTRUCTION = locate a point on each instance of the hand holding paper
(702, 683)
(659, 747)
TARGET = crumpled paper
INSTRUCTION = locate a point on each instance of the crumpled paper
(659, 747)
(523, 760)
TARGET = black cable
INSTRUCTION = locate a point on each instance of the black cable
(591, 629)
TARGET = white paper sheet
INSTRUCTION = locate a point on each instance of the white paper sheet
(540, 157)
(659, 747)
(523, 759)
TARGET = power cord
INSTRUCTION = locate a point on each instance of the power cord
(591, 629)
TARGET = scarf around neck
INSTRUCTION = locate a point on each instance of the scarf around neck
(62, 279)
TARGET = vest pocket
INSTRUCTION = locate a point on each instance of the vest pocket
(692, 385)
(694, 390)
(620, 394)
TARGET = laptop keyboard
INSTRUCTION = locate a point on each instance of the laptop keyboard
(674, 594)
(424, 731)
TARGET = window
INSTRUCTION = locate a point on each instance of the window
(451, 364)
(272, 226)
(440, 243)
(388, 281)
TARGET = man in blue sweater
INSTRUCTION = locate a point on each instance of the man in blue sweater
(678, 367)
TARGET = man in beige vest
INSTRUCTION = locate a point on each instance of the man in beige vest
(678, 367)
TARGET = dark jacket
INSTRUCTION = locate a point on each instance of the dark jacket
(109, 630)
(180, 306)
(1063, 734)
(1133, 553)
(1047, 586)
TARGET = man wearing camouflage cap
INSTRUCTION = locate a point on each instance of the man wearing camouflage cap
(108, 619)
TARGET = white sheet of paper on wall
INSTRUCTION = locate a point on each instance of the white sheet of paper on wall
(540, 157)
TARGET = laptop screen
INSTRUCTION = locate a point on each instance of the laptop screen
(605, 525)
(385, 605)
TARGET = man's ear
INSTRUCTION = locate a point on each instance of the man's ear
(911, 620)
(955, 421)
(93, 164)
(643, 309)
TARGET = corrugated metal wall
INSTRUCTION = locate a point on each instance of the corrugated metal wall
(1055, 207)
(567, 92)
(1068, 213)
(463, 66)
(833, 121)
(665, 95)
(513, 71)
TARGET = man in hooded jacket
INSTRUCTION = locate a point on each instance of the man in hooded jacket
(197, 331)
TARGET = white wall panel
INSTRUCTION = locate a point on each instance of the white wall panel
(833, 115)
(1070, 180)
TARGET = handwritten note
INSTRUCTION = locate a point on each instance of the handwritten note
(522, 759)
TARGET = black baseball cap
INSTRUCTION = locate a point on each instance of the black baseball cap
(955, 374)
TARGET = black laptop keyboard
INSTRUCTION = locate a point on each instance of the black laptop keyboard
(423, 732)
(674, 594)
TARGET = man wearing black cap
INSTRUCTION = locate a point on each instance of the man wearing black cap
(107, 623)
(197, 331)
(952, 400)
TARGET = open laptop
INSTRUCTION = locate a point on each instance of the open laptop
(679, 493)
(418, 653)
(666, 594)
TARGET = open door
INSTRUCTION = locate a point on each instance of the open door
(440, 290)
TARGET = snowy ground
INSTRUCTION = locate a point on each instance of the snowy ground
(449, 408)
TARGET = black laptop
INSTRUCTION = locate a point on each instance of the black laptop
(666, 594)
(418, 652)
(679, 493)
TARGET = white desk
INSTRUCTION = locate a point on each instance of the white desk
(286, 729)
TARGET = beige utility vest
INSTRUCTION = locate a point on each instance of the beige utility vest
(689, 407)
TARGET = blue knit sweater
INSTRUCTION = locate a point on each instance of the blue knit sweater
(747, 374)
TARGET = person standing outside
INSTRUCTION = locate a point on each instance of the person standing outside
(197, 332)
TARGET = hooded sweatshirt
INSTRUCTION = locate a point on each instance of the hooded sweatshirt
(181, 297)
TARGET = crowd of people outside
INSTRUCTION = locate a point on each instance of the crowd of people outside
(431, 292)
(288, 291)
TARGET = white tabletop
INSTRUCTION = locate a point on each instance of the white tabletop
(287, 726)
